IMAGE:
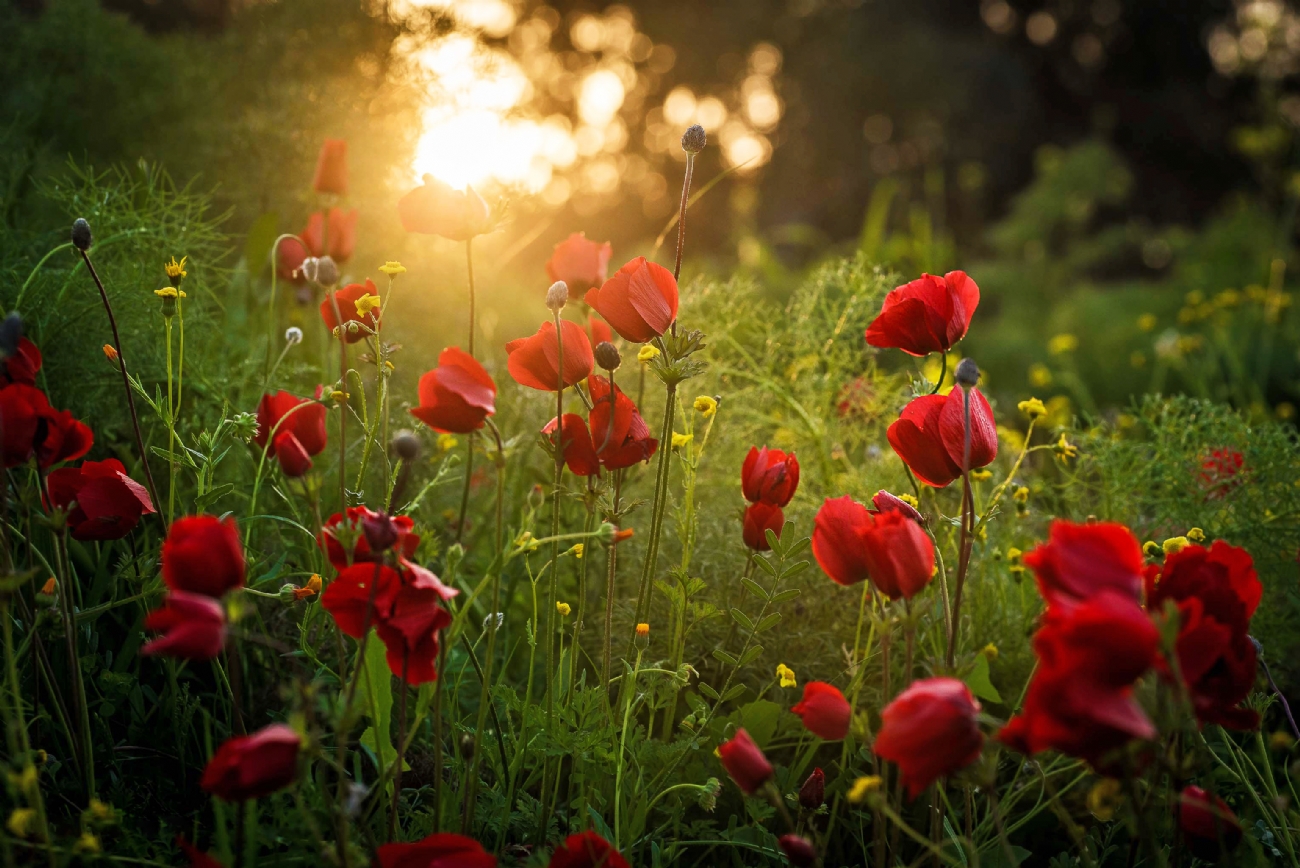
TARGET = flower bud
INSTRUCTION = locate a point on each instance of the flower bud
(607, 356)
(81, 237)
(406, 445)
(694, 139)
(288, 593)
(799, 850)
(466, 745)
(293, 335)
(812, 795)
(380, 531)
(557, 296)
(967, 373)
(11, 332)
(643, 636)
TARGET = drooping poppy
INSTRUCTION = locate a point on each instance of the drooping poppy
(929, 436)
(251, 766)
(587, 850)
(457, 395)
(759, 518)
(357, 303)
(837, 540)
(345, 543)
(929, 730)
(22, 366)
(579, 262)
(108, 502)
(534, 361)
(825, 711)
(639, 301)
(361, 595)
(852, 544)
(1209, 826)
(928, 315)
(745, 763)
(1078, 560)
(295, 428)
(439, 850)
(434, 208)
(409, 630)
(193, 627)
(332, 168)
(203, 555)
(769, 476)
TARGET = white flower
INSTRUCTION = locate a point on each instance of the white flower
(293, 335)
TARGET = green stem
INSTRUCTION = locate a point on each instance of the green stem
(552, 599)
(611, 568)
(622, 749)
(657, 509)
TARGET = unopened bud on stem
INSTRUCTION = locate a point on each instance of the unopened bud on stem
(694, 139)
(967, 373)
(81, 234)
(607, 356)
(557, 296)
(406, 445)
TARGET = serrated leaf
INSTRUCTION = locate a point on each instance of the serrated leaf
(723, 656)
(742, 619)
(786, 596)
(768, 623)
(708, 691)
(754, 588)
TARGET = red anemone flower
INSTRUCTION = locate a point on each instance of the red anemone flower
(931, 729)
(198, 859)
(639, 301)
(759, 519)
(599, 331)
(29, 427)
(295, 428)
(203, 555)
(358, 591)
(1216, 591)
(798, 849)
(22, 366)
(745, 763)
(769, 476)
(1221, 472)
(929, 436)
(439, 850)
(332, 168)
(108, 502)
(928, 315)
(825, 711)
(836, 540)
(1078, 560)
(409, 630)
(251, 766)
(587, 850)
(193, 627)
(851, 543)
(457, 395)
(339, 531)
(533, 361)
(437, 209)
(612, 440)
(357, 303)
(580, 263)
(1206, 821)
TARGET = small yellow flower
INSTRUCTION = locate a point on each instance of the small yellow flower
(110, 352)
(1196, 535)
(393, 268)
(706, 406)
(863, 787)
(981, 475)
(176, 270)
(101, 812)
(1064, 448)
(1175, 544)
(309, 590)
(563, 608)
(1014, 556)
(366, 304)
(1104, 798)
(22, 822)
(1150, 548)
(1040, 375)
(680, 440)
(87, 843)
(447, 442)
(170, 292)
(911, 500)
(1033, 408)
(578, 550)
(388, 366)
(1147, 322)
(643, 636)
(786, 675)
(1281, 741)
(1021, 494)
(338, 397)
(646, 353)
(49, 587)
(990, 651)
(1061, 344)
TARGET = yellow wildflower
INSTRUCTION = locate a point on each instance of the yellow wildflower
(981, 475)
(1040, 375)
(1175, 544)
(643, 630)
(447, 442)
(1104, 798)
(101, 812)
(990, 651)
(1021, 494)
(1147, 322)
(578, 550)
(176, 270)
(563, 608)
(393, 268)
(22, 822)
(1064, 448)
(646, 353)
(338, 397)
(911, 500)
(1281, 741)
(309, 590)
(366, 304)
(1196, 535)
(87, 843)
(1013, 560)
(785, 675)
(1033, 408)
(706, 406)
(863, 787)
(680, 440)
(170, 292)
(1150, 548)
(1061, 344)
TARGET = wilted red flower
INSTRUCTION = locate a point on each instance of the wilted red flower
(29, 426)
(760, 518)
(812, 795)
(332, 168)
(1216, 591)
(22, 366)
(852, 544)
(439, 850)
(409, 631)
(295, 428)
(587, 850)
(193, 627)
(338, 528)
(108, 502)
(883, 501)
(825, 711)
(745, 763)
(931, 729)
(437, 209)
(358, 589)
(1080, 700)
(457, 395)
(928, 435)
(1206, 821)
(338, 243)
(580, 263)
(533, 361)
(251, 766)
(639, 301)
(798, 849)
(928, 315)
(203, 555)
(1078, 560)
(1220, 471)
(599, 331)
(357, 303)
(769, 475)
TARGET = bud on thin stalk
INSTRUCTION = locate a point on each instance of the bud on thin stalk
(557, 296)
(607, 356)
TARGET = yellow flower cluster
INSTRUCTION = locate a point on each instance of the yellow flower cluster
(785, 675)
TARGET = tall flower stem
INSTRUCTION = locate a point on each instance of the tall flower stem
(611, 569)
(555, 558)
(401, 749)
(343, 406)
(126, 379)
(681, 214)
(622, 748)
(967, 530)
(469, 445)
(657, 508)
(171, 429)
(19, 741)
(575, 647)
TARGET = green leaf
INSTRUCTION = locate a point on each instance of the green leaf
(773, 541)
(768, 623)
(794, 569)
(742, 619)
(751, 655)
(766, 566)
(736, 690)
(378, 699)
(754, 588)
(786, 596)
(211, 496)
(798, 548)
(708, 691)
(257, 244)
(961, 850)
(723, 656)
(759, 718)
(979, 683)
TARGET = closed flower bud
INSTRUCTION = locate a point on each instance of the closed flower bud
(799, 850)
(694, 139)
(81, 236)
(812, 795)
(380, 532)
(406, 445)
(967, 373)
(557, 296)
(466, 745)
(11, 333)
(607, 356)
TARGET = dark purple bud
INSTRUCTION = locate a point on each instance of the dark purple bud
(380, 531)
(813, 792)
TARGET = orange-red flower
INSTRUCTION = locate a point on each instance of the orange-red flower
(639, 301)
(203, 555)
(251, 766)
(332, 168)
(436, 209)
(931, 729)
(534, 361)
(108, 503)
(193, 627)
(928, 315)
(358, 590)
(758, 520)
(351, 309)
(883, 501)
(598, 330)
(1078, 560)
(457, 395)
(851, 543)
(745, 763)
(825, 711)
(929, 436)
(30, 427)
(615, 439)
(580, 263)
(587, 850)
(769, 476)
(439, 850)
(295, 428)
(1221, 472)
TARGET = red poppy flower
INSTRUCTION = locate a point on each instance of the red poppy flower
(337, 533)
(457, 395)
(533, 361)
(332, 168)
(616, 438)
(341, 241)
(1221, 472)
(203, 555)
(1078, 560)
(825, 711)
(883, 501)
(1080, 700)
(1206, 822)
(587, 850)
(812, 795)
(580, 263)
(409, 631)
(108, 502)
(759, 519)
(22, 366)
(30, 426)
(439, 850)
(769, 475)
(930, 431)
(193, 627)
(931, 729)
(851, 543)
(347, 299)
(928, 315)
(349, 597)
(798, 849)
(437, 209)
(837, 540)
(1216, 591)
(295, 428)
(639, 301)
(745, 763)
(251, 766)
(198, 859)
(599, 331)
